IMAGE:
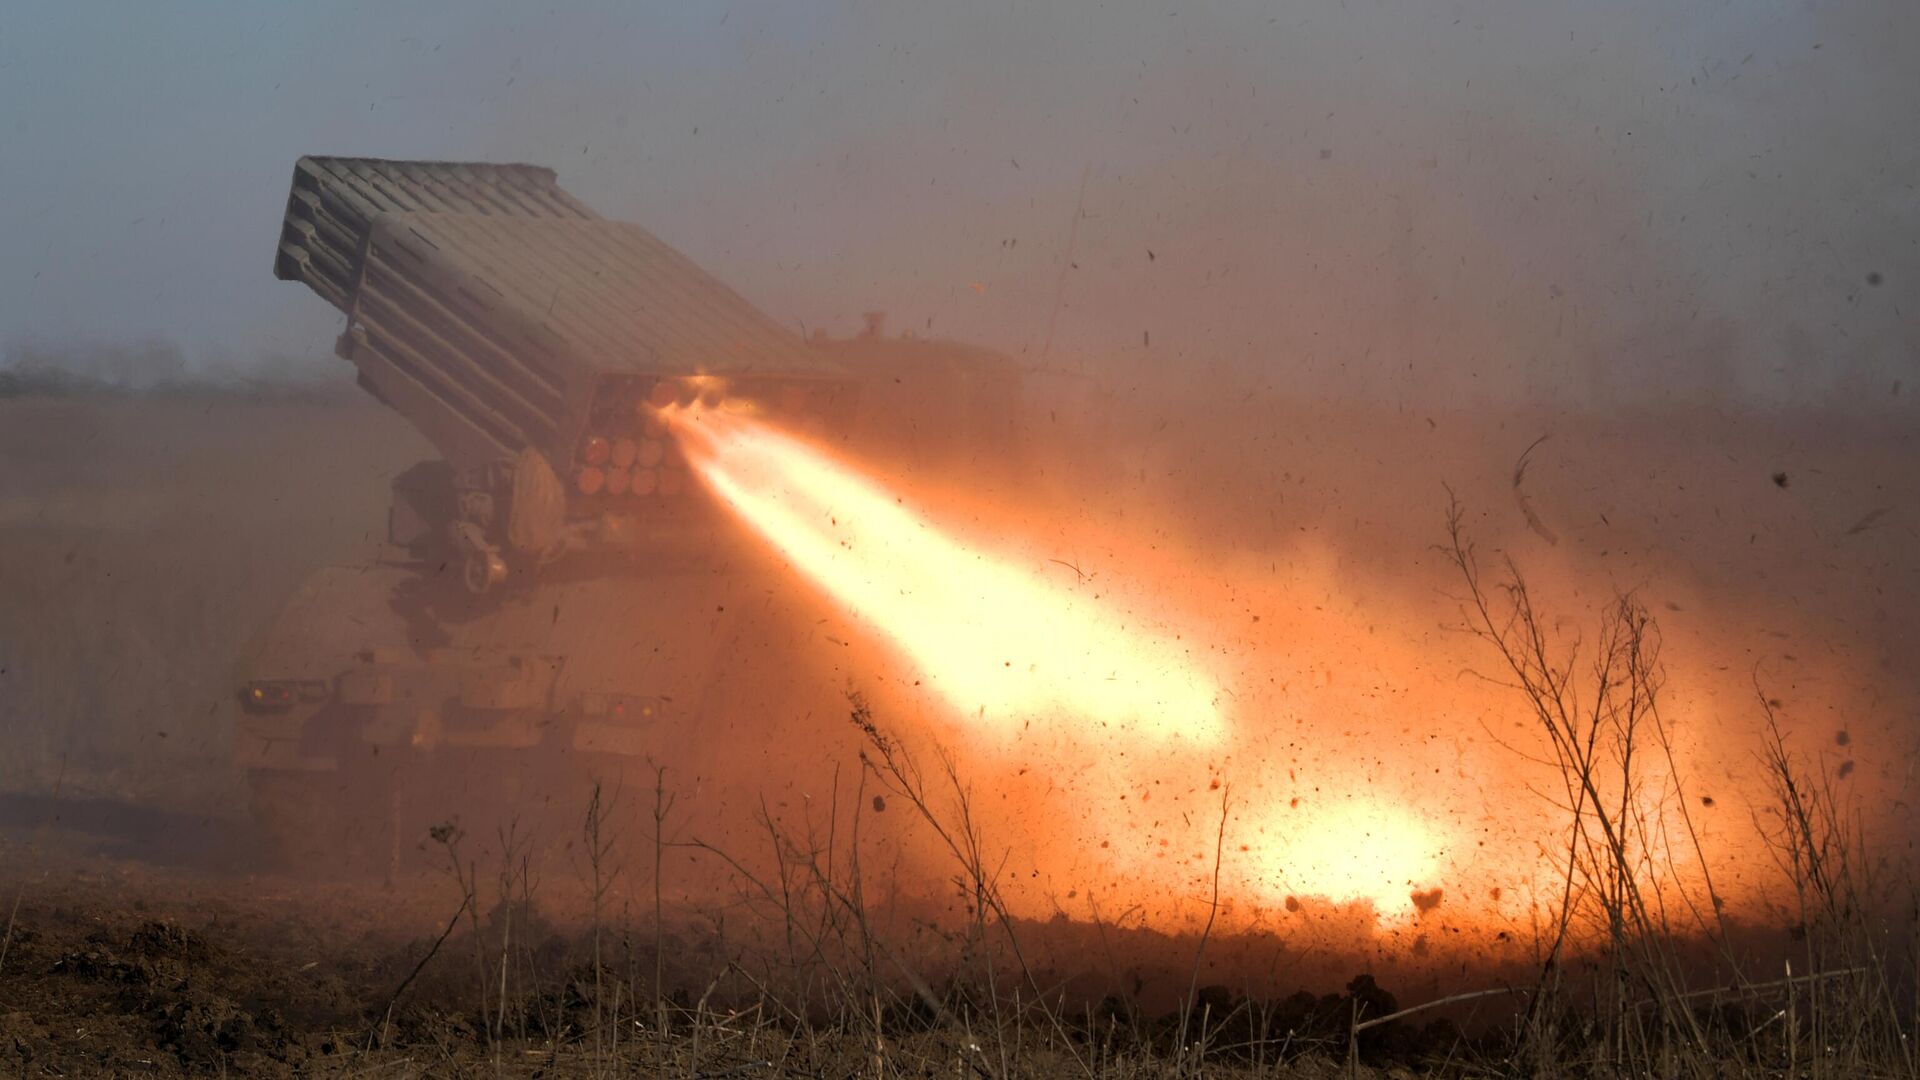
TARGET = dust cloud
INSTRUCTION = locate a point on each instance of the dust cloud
(1634, 282)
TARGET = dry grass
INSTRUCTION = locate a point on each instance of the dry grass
(800, 978)
(1623, 885)
(1637, 972)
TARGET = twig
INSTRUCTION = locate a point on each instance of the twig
(662, 806)
(1449, 1000)
(1526, 504)
(1213, 909)
(386, 1023)
(1748, 988)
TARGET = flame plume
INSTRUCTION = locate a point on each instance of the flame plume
(1000, 644)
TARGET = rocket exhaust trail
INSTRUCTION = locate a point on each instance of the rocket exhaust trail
(1005, 646)
(1000, 644)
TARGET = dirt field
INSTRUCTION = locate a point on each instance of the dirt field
(144, 539)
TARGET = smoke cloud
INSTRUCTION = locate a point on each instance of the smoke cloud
(1469, 202)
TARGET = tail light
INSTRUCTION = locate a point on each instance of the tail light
(590, 480)
(596, 450)
(279, 695)
(632, 707)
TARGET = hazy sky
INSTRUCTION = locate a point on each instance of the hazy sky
(1405, 198)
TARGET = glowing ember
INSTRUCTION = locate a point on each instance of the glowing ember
(1002, 645)
(1357, 849)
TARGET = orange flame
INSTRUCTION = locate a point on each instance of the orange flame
(1000, 644)
(1053, 667)
(1392, 790)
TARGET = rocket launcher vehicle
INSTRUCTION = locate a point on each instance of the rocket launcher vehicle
(532, 342)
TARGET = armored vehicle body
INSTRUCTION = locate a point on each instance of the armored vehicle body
(555, 596)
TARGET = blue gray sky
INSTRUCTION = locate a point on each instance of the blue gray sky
(1594, 200)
